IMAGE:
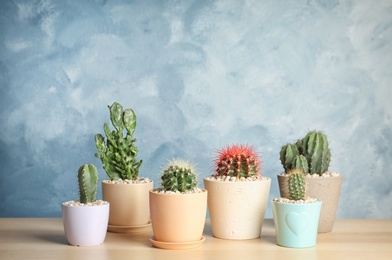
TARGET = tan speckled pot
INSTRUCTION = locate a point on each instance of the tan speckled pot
(326, 189)
(237, 208)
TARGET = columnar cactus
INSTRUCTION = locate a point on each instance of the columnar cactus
(237, 161)
(296, 184)
(88, 181)
(118, 152)
(300, 162)
(287, 155)
(179, 176)
(310, 154)
(316, 151)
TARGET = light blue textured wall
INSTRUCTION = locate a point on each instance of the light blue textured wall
(199, 75)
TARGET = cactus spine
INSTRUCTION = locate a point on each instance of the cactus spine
(179, 176)
(88, 181)
(297, 184)
(311, 154)
(118, 152)
(237, 161)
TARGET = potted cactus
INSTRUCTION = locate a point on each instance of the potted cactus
(312, 155)
(86, 220)
(296, 216)
(237, 193)
(178, 208)
(126, 192)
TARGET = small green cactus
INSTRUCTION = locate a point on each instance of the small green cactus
(297, 184)
(300, 162)
(287, 155)
(118, 152)
(237, 161)
(179, 176)
(88, 181)
(311, 154)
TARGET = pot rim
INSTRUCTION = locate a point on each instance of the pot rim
(131, 183)
(263, 179)
(153, 191)
(297, 204)
(85, 205)
(282, 174)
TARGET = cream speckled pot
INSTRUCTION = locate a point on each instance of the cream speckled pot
(237, 208)
(326, 189)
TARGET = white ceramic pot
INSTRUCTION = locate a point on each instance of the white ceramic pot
(85, 225)
(237, 208)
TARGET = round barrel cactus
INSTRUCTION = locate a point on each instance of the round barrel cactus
(179, 176)
(237, 161)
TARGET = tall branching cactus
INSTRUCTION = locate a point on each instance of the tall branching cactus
(179, 175)
(311, 154)
(88, 181)
(118, 152)
(296, 184)
(237, 161)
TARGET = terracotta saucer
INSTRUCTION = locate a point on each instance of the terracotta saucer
(129, 229)
(177, 246)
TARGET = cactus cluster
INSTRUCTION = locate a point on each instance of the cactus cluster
(88, 181)
(118, 152)
(237, 161)
(179, 176)
(296, 184)
(310, 154)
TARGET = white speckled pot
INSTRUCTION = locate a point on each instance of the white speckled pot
(85, 225)
(326, 189)
(237, 208)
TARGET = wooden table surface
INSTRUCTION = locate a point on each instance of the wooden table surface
(43, 238)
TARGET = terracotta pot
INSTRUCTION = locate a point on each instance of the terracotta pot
(85, 225)
(237, 208)
(178, 218)
(326, 189)
(129, 204)
(296, 224)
